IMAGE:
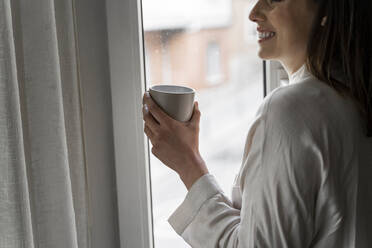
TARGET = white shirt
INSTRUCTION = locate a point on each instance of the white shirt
(305, 179)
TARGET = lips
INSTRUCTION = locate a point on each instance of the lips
(262, 29)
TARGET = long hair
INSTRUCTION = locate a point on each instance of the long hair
(339, 51)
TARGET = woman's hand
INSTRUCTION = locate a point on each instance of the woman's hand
(175, 143)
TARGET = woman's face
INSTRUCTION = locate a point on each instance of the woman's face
(283, 28)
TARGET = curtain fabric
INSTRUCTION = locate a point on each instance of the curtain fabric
(43, 186)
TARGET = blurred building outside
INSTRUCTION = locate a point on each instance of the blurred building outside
(197, 43)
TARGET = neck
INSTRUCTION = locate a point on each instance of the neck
(292, 65)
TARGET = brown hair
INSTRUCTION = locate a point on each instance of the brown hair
(339, 51)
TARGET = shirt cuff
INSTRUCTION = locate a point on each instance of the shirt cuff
(202, 190)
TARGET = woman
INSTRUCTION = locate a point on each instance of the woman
(306, 175)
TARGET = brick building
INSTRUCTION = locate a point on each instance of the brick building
(200, 43)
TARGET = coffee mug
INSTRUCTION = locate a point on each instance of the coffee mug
(175, 100)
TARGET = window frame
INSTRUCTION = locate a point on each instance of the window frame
(275, 75)
(127, 74)
(132, 156)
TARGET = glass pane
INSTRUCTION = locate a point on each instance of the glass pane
(210, 46)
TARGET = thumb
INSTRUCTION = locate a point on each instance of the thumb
(196, 114)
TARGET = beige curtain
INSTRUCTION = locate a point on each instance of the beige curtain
(43, 186)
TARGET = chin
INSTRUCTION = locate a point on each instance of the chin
(265, 54)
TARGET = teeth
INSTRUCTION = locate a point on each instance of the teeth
(263, 35)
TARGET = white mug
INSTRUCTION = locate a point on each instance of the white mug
(175, 100)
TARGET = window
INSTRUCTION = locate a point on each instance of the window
(202, 47)
(238, 95)
(213, 63)
(147, 66)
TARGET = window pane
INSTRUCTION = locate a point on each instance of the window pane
(210, 46)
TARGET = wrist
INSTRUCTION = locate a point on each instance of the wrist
(194, 171)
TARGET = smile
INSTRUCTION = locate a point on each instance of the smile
(264, 36)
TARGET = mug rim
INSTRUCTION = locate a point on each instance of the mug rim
(175, 86)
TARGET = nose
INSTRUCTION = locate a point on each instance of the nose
(256, 14)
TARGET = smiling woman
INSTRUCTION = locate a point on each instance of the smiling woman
(285, 28)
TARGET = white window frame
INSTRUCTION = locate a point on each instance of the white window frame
(276, 75)
(125, 41)
(126, 60)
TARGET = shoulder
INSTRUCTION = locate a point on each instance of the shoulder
(302, 106)
(309, 93)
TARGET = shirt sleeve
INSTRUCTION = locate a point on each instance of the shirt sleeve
(279, 180)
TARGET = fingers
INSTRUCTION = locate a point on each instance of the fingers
(195, 119)
(149, 133)
(155, 110)
(149, 119)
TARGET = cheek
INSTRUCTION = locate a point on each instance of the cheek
(292, 34)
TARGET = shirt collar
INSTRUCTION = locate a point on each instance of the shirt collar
(299, 75)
